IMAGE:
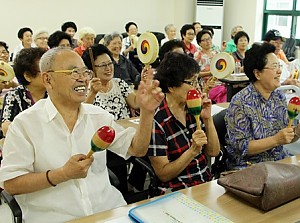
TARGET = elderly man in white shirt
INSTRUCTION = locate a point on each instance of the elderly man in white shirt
(44, 163)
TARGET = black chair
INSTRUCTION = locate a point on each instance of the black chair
(124, 35)
(13, 205)
(289, 48)
(220, 163)
(98, 38)
(151, 190)
(159, 36)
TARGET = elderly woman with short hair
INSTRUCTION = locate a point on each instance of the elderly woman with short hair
(170, 31)
(41, 39)
(31, 88)
(5, 85)
(123, 68)
(178, 150)
(59, 38)
(257, 117)
(87, 37)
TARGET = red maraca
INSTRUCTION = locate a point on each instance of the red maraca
(194, 104)
(293, 109)
(101, 139)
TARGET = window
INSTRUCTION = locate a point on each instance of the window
(283, 16)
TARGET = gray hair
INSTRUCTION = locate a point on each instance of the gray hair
(234, 29)
(169, 26)
(39, 32)
(86, 31)
(48, 58)
(109, 37)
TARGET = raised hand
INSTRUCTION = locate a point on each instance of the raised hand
(149, 95)
(95, 85)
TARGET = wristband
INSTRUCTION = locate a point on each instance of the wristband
(47, 176)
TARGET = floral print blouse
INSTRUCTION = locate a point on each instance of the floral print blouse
(114, 101)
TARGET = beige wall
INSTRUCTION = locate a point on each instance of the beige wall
(107, 16)
(102, 15)
(248, 13)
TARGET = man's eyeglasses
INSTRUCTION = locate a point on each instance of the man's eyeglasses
(76, 72)
(42, 38)
(104, 65)
(194, 83)
(275, 67)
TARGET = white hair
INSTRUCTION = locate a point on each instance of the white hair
(168, 27)
(86, 31)
(39, 32)
(48, 58)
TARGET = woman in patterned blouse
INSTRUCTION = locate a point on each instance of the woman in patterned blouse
(30, 90)
(257, 117)
(113, 95)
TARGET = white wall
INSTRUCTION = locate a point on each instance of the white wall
(248, 13)
(103, 16)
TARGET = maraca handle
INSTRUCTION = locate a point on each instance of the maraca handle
(197, 117)
(290, 123)
(89, 154)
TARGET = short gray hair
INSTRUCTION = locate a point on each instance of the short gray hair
(109, 37)
(48, 58)
(86, 31)
(169, 26)
(39, 32)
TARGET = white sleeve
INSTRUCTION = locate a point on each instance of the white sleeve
(18, 154)
(285, 74)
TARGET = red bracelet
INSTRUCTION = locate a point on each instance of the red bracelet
(47, 176)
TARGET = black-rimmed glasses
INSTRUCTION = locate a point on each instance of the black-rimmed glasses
(104, 65)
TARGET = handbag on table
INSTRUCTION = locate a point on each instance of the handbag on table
(265, 185)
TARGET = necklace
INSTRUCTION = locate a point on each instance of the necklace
(106, 88)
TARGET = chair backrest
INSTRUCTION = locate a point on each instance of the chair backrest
(13, 205)
(159, 36)
(151, 190)
(220, 164)
(220, 125)
(98, 38)
(289, 48)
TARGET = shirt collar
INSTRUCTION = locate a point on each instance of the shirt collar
(52, 111)
(257, 94)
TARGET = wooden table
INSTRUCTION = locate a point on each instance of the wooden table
(128, 122)
(214, 196)
(234, 84)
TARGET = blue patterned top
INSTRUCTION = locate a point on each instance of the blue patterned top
(251, 117)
